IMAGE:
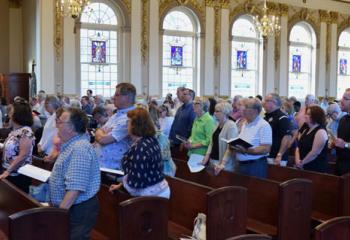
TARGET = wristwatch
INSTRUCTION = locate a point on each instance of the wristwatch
(346, 145)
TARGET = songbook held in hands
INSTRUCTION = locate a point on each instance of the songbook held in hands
(114, 171)
(237, 142)
(194, 163)
(34, 172)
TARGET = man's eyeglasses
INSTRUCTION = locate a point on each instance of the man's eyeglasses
(59, 121)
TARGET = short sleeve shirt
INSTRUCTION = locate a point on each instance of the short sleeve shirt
(142, 163)
(75, 169)
(257, 132)
(110, 155)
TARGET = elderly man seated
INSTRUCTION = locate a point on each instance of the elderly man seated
(334, 114)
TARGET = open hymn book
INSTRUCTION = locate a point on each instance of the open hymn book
(237, 142)
(34, 172)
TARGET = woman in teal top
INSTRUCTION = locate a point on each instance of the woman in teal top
(202, 128)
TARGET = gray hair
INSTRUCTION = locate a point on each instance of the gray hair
(253, 103)
(53, 101)
(334, 107)
(224, 107)
(276, 98)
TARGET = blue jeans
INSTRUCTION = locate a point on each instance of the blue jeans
(256, 168)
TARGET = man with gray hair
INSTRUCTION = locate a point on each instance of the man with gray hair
(256, 131)
(52, 103)
(334, 113)
(112, 137)
(281, 127)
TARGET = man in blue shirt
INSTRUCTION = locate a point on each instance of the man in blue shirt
(184, 118)
(75, 178)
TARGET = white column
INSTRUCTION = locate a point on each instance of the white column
(333, 61)
(320, 84)
(283, 78)
(47, 50)
(209, 53)
(270, 66)
(70, 82)
(225, 82)
(154, 47)
(136, 58)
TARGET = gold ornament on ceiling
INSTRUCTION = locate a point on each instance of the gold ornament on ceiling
(71, 8)
(269, 23)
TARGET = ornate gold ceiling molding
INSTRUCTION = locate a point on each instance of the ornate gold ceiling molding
(308, 16)
(333, 16)
(198, 6)
(343, 25)
(246, 7)
(218, 3)
(127, 4)
(217, 19)
(145, 31)
(283, 9)
(324, 16)
(58, 35)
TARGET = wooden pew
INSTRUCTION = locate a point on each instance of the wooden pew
(225, 209)
(21, 215)
(251, 237)
(331, 195)
(335, 229)
(278, 209)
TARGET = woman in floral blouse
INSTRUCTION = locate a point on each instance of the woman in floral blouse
(19, 144)
(142, 163)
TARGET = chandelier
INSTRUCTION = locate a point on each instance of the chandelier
(72, 8)
(268, 25)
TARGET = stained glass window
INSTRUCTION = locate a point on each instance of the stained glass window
(246, 58)
(343, 81)
(99, 50)
(179, 55)
(302, 60)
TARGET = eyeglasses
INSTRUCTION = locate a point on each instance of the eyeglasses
(59, 121)
(330, 114)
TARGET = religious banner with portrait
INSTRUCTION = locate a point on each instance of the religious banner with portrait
(241, 60)
(176, 59)
(296, 63)
(343, 66)
(98, 52)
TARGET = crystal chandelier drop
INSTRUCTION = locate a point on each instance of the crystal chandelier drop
(72, 8)
(268, 25)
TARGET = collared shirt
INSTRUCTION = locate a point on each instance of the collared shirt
(76, 169)
(202, 131)
(49, 132)
(332, 126)
(111, 155)
(182, 124)
(257, 132)
(281, 126)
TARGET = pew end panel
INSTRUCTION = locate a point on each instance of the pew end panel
(187, 199)
(229, 219)
(251, 237)
(344, 205)
(143, 218)
(336, 229)
(107, 219)
(295, 209)
(39, 223)
(13, 200)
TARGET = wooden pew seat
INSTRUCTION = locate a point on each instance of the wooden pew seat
(336, 229)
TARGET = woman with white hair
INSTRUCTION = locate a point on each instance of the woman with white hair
(218, 152)
(202, 128)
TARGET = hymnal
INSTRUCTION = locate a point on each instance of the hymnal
(237, 142)
(109, 170)
(34, 172)
(181, 138)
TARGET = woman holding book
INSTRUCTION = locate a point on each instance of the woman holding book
(218, 152)
(202, 128)
(18, 146)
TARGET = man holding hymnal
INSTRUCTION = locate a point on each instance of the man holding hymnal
(257, 132)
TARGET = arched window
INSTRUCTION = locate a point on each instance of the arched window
(343, 60)
(246, 59)
(99, 49)
(302, 60)
(180, 55)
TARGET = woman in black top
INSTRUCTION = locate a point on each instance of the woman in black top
(142, 163)
(311, 153)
